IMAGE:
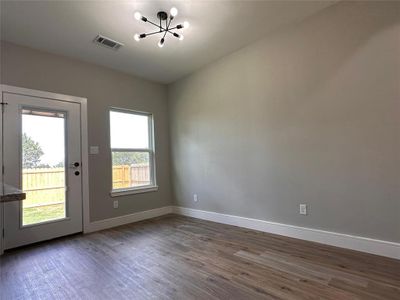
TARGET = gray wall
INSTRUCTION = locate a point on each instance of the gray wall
(310, 114)
(103, 88)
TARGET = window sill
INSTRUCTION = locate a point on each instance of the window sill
(139, 190)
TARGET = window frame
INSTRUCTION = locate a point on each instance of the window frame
(151, 150)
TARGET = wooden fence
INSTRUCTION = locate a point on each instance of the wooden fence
(129, 176)
(47, 185)
(44, 178)
(43, 187)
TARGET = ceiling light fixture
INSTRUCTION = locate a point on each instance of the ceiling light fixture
(163, 29)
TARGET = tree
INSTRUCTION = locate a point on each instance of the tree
(31, 152)
(59, 165)
(129, 158)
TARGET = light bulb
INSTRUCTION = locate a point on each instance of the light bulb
(181, 37)
(136, 37)
(137, 15)
(174, 11)
(161, 43)
(186, 24)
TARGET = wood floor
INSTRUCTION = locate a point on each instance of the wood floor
(175, 257)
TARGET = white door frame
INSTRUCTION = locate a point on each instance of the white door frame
(84, 148)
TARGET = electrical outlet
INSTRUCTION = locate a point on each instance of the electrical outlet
(195, 198)
(115, 203)
(303, 209)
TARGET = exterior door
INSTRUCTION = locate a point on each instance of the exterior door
(41, 156)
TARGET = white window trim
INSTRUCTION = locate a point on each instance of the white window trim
(130, 191)
(152, 187)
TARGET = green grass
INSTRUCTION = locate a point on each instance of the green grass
(42, 214)
(49, 210)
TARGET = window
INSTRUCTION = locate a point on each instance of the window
(132, 150)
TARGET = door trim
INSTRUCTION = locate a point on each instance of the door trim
(84, 146)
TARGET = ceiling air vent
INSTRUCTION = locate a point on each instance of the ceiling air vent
(107, 42)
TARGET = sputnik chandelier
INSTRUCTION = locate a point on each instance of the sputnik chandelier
(162, 28)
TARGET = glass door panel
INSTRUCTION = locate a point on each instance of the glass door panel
(43, 166)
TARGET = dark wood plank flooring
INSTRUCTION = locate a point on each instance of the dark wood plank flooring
(175, 257)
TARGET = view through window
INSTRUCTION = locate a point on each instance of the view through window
(132, 150)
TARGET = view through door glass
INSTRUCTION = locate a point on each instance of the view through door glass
(43, 166)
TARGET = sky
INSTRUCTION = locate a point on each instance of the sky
(49, 133)
(128, 130)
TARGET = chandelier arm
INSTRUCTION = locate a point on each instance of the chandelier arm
(167, 29)
(154, 32)
(158, 26)
(171, 32)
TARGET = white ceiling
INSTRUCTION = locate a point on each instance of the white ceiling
(217, 28)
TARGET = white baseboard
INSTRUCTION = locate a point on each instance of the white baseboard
(131, 218)
(373, 246)
(363, 244)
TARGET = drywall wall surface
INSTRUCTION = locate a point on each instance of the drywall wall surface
(309, 114)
